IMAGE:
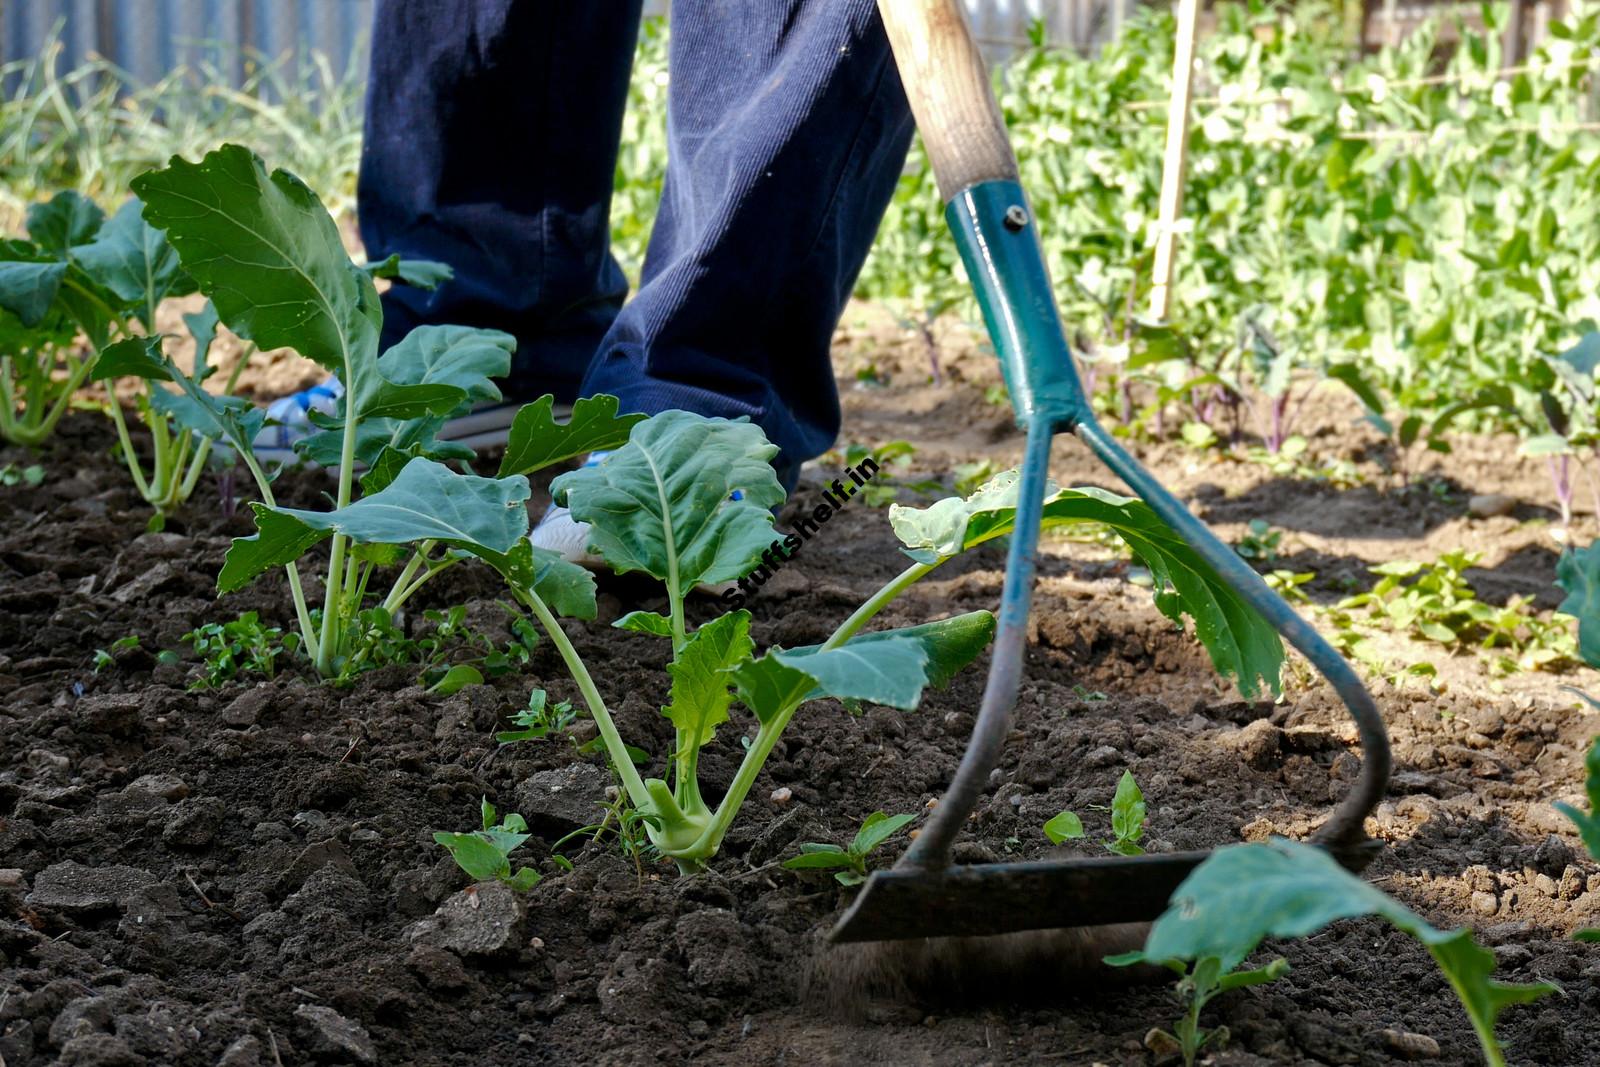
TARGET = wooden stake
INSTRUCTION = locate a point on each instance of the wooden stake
(1173, 162)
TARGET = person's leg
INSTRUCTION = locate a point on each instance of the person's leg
(491, 144)
(787, 130)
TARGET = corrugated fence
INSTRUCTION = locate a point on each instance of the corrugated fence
(149, 38)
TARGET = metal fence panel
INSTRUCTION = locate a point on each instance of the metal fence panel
(149, 38)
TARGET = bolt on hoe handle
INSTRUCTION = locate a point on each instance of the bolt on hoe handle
(948, 87)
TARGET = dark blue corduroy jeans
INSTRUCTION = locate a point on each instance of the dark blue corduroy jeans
(491, 144)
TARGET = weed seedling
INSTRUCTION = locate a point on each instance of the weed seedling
(485, 853)
(1128, 820)
(106, 657)
(1261, 542)
(1196, 986)
(243, 646)
(849, 863)
(31, 475)
(538, 720)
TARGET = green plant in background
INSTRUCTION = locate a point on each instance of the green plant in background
(486, 854)
(1128, 818)
(893, 459)
(849, 862)
(1284, 889)
(1260, 542)
(1197, 984)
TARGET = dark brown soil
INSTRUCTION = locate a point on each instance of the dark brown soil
(266, 885)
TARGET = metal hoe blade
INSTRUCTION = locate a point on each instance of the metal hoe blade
(924, 895)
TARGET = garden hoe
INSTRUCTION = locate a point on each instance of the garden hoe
(924, 895)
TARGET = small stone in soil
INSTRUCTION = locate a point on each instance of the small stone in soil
(563, 799)
(1488, 505)
(481, 920)
(330, 1036)
(72, 887)
(1410, 1046)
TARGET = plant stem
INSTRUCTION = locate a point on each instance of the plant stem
(308, 634)
(591, 697)
(127, 445)
(332, 624)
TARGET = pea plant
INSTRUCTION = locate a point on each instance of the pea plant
(1284, 889)
(269, 256)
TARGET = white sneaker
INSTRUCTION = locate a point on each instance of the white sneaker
(288, 421)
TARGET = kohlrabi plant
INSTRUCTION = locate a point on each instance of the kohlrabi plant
(849, 862)
(1284, 889)
(270, 258)
(689, 501)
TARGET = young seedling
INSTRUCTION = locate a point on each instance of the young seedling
(242, 646)
(485, 853)
(1196, 986)
(1260, 544)
(106, 657)
(538, 720)
(1128, 819)
(849, 863)
(31, 475)
(1284, 889)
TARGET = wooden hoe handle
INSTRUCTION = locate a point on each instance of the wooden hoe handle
(948, 86)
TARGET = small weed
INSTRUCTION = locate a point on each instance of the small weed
(538, 720)
(243, 646)
(875, 830)
(485, 853)
(1128, 818)
(1196, 987)
(1261, 543)
(11, 474)
(104, 657)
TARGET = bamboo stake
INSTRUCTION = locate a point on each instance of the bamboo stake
(1173, 161)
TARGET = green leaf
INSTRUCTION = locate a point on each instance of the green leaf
(269, 256)
(536, 440)
(822, 859)
(486, 812)
(1588, 824)
(1279, 888)
(67, 219)
(133, 259)
(28, 286)
(1242, 645)
(875, 830)
(1127, 815)
(419, 273)
(767, 686)
(700, 696)
(950, 643)
(645, 622)
(486, 517)
(524, 879)
(1064, 827)
(203, 328)
(456, 679)
(1578, 573)
(133, 357)
(891, 672)
(661, 503)
(473, 854)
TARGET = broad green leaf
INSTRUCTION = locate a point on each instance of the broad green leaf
(700, 696)
(1064, 827)
(875, 830)
(661, 503)
(486, 517)
(456, 679)
(1588, 823)
(28, 286)
(950, 643)
(645, 622)
(891, 672)
(768, 686)
(132, 357)
(480, 859)
(419, 273)
(133, 259)
(1242, 645)
(1280, 888)
(565, 587)
(269, 256)
(461, 359)
(1578, 572)
(67, 219)
(536, 440)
